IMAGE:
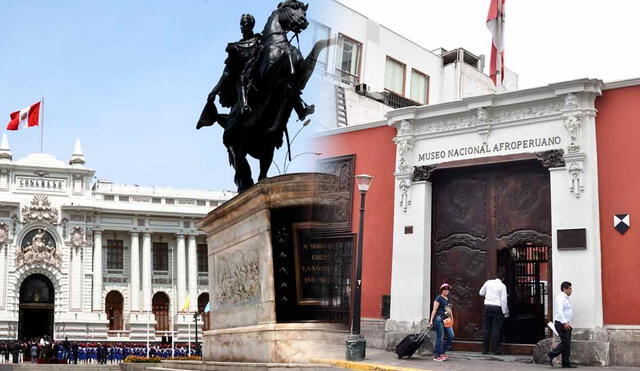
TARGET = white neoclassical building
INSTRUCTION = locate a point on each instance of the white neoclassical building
(97, 261)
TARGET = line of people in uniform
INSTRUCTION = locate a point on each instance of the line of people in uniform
(45, 351)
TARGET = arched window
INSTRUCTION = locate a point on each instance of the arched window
(114, 303)
(203, 299)
(160, 308)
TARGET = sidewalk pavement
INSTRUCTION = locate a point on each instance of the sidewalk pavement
(381, 360)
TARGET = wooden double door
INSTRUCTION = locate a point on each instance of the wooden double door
(484, 217)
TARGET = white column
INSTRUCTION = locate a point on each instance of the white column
(97, 271)
(134, 295)
(76, 278)
(193, 274)
(3, 268)
(411, 259)
(146, 271)
(182, 272)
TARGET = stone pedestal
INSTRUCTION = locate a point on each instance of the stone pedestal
(245, 327)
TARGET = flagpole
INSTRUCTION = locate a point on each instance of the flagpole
(41, 125)
(499, 60)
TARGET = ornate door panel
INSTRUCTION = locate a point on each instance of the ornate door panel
(523, 202)
(461, 224)
(478, 211)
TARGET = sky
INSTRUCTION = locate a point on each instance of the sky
(129, 79)
(546, 40)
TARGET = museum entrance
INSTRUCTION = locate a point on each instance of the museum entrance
(36, 308)
(488, 216)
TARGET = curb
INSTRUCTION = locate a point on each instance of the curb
(362, 366)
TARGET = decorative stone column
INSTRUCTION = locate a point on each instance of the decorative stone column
(193, 275)
(182, 272)
(134, 295)
(97, 270)
(76, 279)
(146, 271)
(411, 261)
(4, 247)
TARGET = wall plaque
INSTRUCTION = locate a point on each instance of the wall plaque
(323, 267)
(572, 239)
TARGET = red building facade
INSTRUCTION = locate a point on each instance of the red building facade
(618, 132)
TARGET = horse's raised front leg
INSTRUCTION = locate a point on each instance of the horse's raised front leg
(239, 161)
(266, 159)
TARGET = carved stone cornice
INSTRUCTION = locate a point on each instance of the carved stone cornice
(551, 158)
(422, 173)
(444, 124)
(484, 118)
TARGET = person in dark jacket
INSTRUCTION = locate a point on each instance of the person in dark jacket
(16, 352)
(74, 353)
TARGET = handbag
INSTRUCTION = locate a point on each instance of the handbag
(448, 322)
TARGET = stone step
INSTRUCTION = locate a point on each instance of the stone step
(58, 367)
(489, 357)
(239, 366)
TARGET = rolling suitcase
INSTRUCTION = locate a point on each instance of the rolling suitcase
(411, 343)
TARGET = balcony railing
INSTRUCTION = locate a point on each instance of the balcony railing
(347, 78)
(396, 101)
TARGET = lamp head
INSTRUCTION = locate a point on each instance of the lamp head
(364, 182)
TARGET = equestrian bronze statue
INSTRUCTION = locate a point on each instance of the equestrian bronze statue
(262, 84)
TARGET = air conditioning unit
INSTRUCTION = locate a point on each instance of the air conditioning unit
(362, 89)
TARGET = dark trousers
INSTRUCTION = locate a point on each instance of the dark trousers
(492, 328)
(564, 347)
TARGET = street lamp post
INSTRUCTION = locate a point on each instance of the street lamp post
(195, 317)
(356, 343)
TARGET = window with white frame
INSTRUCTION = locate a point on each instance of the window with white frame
(419, 87)
(394, 76)
(348, 56)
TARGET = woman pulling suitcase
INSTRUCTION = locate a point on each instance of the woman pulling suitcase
(442, 318)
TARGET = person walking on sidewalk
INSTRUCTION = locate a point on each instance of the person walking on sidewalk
(442, 316)
(562, 315)
(495, 311)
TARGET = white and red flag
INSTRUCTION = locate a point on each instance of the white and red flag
(495, 24)
(29, 116)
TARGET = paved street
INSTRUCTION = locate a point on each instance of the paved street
(378, 359)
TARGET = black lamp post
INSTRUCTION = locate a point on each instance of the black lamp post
(356, 343)
(195, 317)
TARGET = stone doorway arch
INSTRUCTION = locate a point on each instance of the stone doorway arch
(36, 307)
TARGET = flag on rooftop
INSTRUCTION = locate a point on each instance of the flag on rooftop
(495, 24)
(29, 116)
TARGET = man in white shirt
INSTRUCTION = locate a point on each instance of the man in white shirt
(495, 311)
(562, 315)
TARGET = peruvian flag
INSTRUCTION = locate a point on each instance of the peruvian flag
(495, 24)
(29, 116)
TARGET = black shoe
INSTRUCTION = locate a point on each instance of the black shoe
(569, 366)
(485, 352)
(498, 353)
(550, 359)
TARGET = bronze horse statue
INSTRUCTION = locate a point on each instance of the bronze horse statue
(262, 84)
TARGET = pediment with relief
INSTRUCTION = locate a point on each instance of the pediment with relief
(40, 210)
